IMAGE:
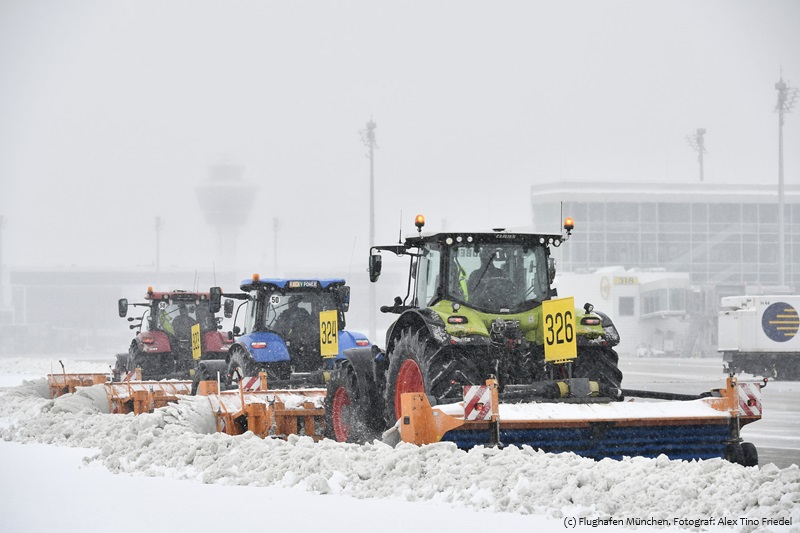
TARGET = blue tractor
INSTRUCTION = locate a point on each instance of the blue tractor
(292, 329)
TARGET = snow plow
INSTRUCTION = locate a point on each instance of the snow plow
(132, 395)
(688, 427)
(485, 353)
(60, 384)
(267, 413)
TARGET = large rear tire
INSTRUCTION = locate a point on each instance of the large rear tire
(418, 364)
(347, 414)
(599, 364)
(207, 371)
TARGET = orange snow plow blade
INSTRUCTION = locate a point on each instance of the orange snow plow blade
(267, 413)
(60, 384)
(144, 396)
(681, 429)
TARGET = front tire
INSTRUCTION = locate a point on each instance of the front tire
(347, 413)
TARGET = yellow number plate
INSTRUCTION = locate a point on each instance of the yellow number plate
(559, 330)
(197, 350)
(329, 333)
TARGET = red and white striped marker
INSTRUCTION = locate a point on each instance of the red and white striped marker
(251, 384)
(477, 402)
(750, 399)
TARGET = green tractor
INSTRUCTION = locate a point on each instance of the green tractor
(478, 306)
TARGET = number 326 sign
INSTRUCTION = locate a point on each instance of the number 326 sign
(559, 330)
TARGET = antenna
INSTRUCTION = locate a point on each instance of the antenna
(400, 231)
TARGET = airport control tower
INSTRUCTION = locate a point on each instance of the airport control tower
(226, 200)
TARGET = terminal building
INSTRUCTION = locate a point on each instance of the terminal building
(696, 242)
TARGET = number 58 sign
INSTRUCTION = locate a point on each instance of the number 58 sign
(559, 330)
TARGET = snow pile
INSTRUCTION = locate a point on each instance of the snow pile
(179, 441)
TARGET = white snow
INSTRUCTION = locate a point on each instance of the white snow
(95, 469)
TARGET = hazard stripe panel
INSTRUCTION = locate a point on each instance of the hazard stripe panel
(477, 402)
(750, 399)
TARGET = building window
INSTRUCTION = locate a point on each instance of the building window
(626, 306)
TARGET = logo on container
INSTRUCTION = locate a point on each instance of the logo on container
(780, 322)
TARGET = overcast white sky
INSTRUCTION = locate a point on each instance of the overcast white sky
(110, 113)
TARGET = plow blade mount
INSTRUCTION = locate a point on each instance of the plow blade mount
(60, 384)
(702, 428)
(267, 413)
(144, 396)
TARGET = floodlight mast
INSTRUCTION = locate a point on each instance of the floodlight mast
(697, 142)
(368, 138)
(787, 97)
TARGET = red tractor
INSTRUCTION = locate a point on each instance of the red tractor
(177, 330)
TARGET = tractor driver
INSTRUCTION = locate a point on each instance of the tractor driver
(490, 283)
(182, 324)
(490, 268)
(294, 321)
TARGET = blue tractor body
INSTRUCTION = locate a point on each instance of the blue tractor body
(273, 341)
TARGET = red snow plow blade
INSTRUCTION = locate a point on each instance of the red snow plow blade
(701, 428)
(275, 413)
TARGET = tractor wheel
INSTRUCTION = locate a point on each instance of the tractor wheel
(120, 367)
(749, 454)
(347, 416)
(417, 364)
(239, 367)
(203, 373)
(734, 453)
(598, 364)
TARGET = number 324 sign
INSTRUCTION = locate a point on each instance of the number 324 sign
(559, 330)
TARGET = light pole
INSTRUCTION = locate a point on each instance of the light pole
(697, 142)
(368, 138)
(787, 96)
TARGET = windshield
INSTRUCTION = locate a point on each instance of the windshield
(177, 318)
(498, 277)
(280, 309)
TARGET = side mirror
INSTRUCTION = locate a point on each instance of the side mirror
(228, 308)
(551, 269)
(344, 298)
(215, 299)
(374, 267)
(122, 305)
(236, 330)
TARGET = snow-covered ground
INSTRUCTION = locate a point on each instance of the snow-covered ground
(64, 463)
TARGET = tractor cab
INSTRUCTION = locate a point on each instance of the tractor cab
(497, 272)
(290, 325)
